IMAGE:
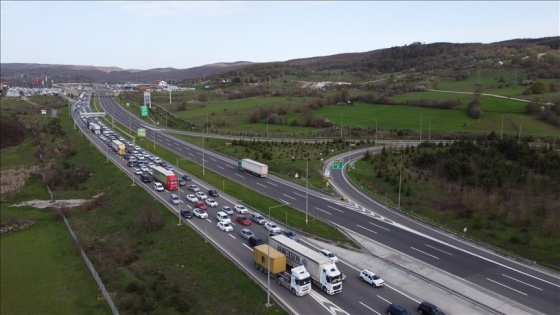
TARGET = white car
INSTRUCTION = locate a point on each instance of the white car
(226, 227)
(201, 195)
(158, 186)
(193, 188)
(157, 160)
(137, 147)
(200, 213)
(329, 254)
(144, 168)
(241, 209)
(151, 165)
(371, 278)
(192, 198)
(272, 227)
(227, 210)
(211, 202)
(137, 171)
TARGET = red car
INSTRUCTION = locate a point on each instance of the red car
(243, 220)
(200, 205)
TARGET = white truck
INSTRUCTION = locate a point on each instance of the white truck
(118, 147)
(253, 167)
(324, 273)
(298, 280)
(95, 128)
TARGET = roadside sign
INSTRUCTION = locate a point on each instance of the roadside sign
(141, 132)
(147, 99)
(338, 164)
(144, 110)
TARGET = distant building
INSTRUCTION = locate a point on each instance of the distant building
(159, 84)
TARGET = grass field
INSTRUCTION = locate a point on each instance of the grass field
(42, 272)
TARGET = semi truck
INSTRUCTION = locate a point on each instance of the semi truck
(95, 128)
(324, 273)
(118, 147)
(167, 178)
(253, 167)
(298, 280)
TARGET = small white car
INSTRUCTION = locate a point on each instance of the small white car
(226, 227)
(272, 227)
(200, 213)
(137, 171)
(328, 253)
(241, 209)
(151, 165)
(157, 160)
(223, 217)
(144, 168)
(201, 195)
(137, 147)
(192, 198)
(211, 202)
(159, 186)
(227, 210)
(371, 278)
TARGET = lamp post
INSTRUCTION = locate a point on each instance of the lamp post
(306, 190)
(268, 257)
(400, 179)
(430, 130)
(203, 140)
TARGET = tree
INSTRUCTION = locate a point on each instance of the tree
(539, 87)
(475, 109)
(435, 83)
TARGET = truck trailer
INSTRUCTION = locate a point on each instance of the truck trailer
(95, 128)
(324, 273)
(118, 147)
(253, 167)
(297, 280)
(167, 178)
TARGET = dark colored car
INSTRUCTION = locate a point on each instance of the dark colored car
(213, 193)
(163, 164)
(255, 241)
(396, 309)
(126, 156)
(130, 163)
(146, 178)
(187, 177)
(429, 308)
(186, 214)
(243, 220)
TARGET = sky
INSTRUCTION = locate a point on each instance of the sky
(184, 34)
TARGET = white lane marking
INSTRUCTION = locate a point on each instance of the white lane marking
(425, 253)
(239, 175)
(336, 209)
(401, 293)
(218, 166)
(384, 299)
(372, 231)
(270, 183)
(532, 286)
(386, 229)
(213, 160)
(191, 154)
(371, 309)
(232, 236)
(439, 250)
(503, 285)
(290, 197)
(261, 185)
(248, 247)
(302, 196)
(329, 306)
(323, 211)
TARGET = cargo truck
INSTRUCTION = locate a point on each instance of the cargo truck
(253, 167)
(298, 280)
(95, 128)
(167, 178)
(324, 273)
(118, 147)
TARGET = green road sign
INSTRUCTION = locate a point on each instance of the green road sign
(141, 132)
(144, 110)
(338, 164)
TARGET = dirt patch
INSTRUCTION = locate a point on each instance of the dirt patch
(68, 203)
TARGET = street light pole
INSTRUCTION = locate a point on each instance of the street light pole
(268, 257)
(400, 180)
(430, 130)
(306, 190)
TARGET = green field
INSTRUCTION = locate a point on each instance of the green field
(42, 272)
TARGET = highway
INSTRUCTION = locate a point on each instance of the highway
(515, 281)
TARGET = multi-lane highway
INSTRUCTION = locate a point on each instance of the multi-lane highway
(514, 281)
